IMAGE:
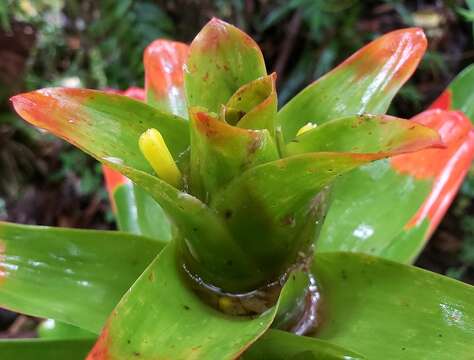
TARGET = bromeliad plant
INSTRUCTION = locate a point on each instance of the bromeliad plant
(244, 226)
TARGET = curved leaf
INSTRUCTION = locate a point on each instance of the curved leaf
(386, 310)
(446, 166)
(280, 345)
(53, 329)
(75, 276)
(221, 152)
(107, 126)
(34, 349)
(273, 210)
(364, 134)
(221, 59)
(150, 324)
(254, 105)
(211, 252)
(363, 217)
(164, 81)
(364, 83)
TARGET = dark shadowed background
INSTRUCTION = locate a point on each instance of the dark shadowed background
(99, 44)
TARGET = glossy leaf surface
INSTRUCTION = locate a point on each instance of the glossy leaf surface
(280, 345)
(364, 134)
(364, 83)
(279, 204)
(53, 329)
(363, 216)
(34, 349)
(69, 275)
(107, 126)
(164, 77)
(139, 214)
(221, 59)
(386, 310)
(209, 248)
(150, 324)
(221, 152)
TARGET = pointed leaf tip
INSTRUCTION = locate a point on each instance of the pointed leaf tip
(221, 59)
(365, 83)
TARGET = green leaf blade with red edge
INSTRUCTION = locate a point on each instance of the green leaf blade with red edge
(364, 83)
(221, 59)
(75, 276)
(107, 126)
(164, 77)
(447, 167)
(365, 134)
(363, 216)
(382, 309)
(150, 324)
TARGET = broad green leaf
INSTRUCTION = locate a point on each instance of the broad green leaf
(364, 83)
(363, 216)
(369, 208)
(45, 349)
(75, 276)
(274, 209)
(164, 81)
(221, 152)
(161, 317)
(107, 126)
(280, 345)
(53, 329)
(254, 105)
(221, 59)
(364, 134)
(385, 310)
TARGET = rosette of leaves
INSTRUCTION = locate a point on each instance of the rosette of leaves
(217, 192)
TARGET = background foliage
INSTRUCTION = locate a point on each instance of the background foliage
(99, 44)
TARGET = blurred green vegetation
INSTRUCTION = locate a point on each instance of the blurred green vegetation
(99, 44)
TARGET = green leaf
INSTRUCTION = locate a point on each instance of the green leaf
(139, 214)
(365, 134)
(363, 217)
(364, 83)
(386, 310)
(107, 126)
(221, 152)
(280, 345)
(34, 349)
(273, 210)
(369, 207)
(462, 92)
(164, 80)
(221, 59)
(53, 329)
(75, 276)
(210, 251)
(150, 324)
(254, 105)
